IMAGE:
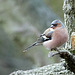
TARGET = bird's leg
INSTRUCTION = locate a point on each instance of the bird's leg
(62, 53)
(53, 49)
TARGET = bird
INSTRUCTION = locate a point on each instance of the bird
(53, 37)
(59, 35)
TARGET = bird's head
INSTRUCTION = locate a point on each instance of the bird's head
(56, 24)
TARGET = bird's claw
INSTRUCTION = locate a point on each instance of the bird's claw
(60, 52)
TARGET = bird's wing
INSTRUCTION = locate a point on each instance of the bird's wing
(49, 34)
(46, 31)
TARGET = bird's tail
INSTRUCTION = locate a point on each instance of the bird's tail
(34, 44)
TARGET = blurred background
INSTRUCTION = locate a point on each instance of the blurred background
(21, 22)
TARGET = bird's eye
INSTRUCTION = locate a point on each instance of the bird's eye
(54, 24)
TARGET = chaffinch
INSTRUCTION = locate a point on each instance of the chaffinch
(53, 37)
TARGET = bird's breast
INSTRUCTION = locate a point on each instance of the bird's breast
(60, 36)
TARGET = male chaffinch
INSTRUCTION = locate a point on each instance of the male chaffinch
(53, 37)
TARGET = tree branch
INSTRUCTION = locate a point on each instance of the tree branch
(53, 69)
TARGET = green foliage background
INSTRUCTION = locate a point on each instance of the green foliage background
(21, 22)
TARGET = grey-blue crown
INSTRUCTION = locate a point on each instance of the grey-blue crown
(57, 21)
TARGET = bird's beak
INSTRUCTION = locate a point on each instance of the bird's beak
(51, 26)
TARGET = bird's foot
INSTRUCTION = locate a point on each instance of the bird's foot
(62, 53)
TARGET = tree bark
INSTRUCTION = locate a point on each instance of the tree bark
(54, 69)
(69, 18)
